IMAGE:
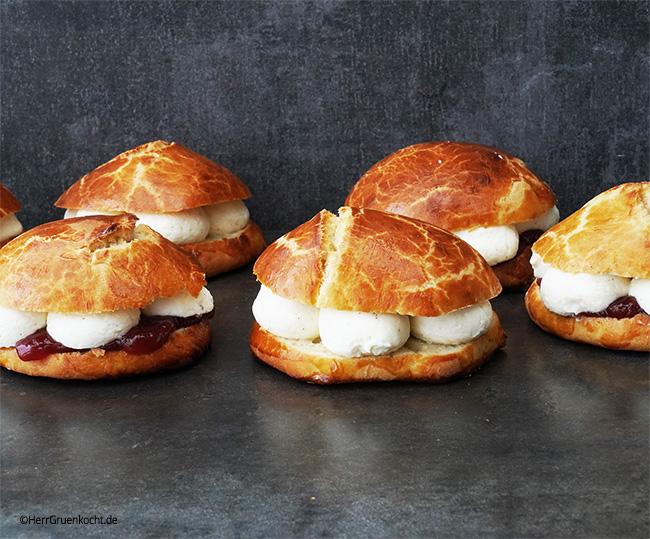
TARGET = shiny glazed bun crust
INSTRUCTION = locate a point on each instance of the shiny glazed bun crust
(454, 185)
(225, 254)
(416, 361)
(157, 177)
(610, 234)
(8, 202)
(93, 264)
(624, 334)
(183, 347)
(371, 261)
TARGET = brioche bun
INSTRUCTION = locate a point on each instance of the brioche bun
(162, 177)
(609, 235)
(99, 264)
(457, 186)
(375, 262)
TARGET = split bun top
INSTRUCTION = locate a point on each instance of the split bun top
(8, 202)
(157, 177)
(371, 261)
(454, 185)
(610, 234)
(93, 264)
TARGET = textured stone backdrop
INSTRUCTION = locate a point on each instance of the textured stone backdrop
(301, 98)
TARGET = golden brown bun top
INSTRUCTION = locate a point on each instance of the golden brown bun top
(93, 264)
(372, 261)
(610, 234)
(157, 177)
(8, 202)
(454, 185)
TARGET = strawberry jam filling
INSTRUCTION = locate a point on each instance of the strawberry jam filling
(151, 333)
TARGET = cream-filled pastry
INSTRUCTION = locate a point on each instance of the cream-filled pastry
(341, 295)
(485, 196)
(593, 276)
(189, 199)
(100, 297)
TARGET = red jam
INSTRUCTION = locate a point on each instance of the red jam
(148, 336)
(623, 307)
(526, 239)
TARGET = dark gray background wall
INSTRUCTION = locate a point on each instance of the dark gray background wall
(299, 99)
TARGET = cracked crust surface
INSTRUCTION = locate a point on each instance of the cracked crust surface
(367, 260)
(93, 264)
(454, 185)
(625, 334)
(610, 234)
(157, 177)
(416, 361)
(183, 347)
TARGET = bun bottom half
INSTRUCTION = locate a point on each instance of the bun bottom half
(516, 273)
(225, 254)
(624, 334)
(416, 361)
(183, 347)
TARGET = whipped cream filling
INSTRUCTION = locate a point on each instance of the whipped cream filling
(92, 330)
(285, 317)
(569, 294)
(500, 243)
(354, 334)
(189, 226)
(16, 325)
(457, 327)
(9, 227)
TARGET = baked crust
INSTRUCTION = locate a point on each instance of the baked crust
(610, 234)
(93, 264)
(454, 185)
(625, 334)
(225, 254)
(157, 177)
(417, 361)
(371, 261)
(8, 202)
(183, 347)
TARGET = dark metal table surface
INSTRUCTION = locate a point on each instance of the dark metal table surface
(550, 438)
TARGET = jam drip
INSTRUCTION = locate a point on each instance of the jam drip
(151, 333)
(623, 307)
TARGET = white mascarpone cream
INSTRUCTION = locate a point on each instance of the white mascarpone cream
(456, 327)
(16, 324)
(543, 222)
(285, 317)
(189, 226)
(495, 243)
(640, 289)
(227, 218)
(9, 227)
(500, 243)
(354, 334)
(182, 304)
(572, 293)
(86, 330)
